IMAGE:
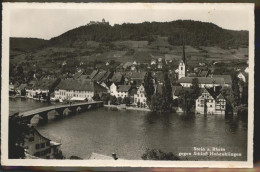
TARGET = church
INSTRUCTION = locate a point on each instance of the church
(209, 81)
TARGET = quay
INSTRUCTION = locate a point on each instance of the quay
(43, 112)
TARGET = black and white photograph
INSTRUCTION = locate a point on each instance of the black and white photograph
(127, 84)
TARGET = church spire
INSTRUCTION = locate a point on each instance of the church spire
(183, 50)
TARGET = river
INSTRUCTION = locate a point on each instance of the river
(130, 133)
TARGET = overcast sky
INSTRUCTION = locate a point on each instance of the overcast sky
(48, 23)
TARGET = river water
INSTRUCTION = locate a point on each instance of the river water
(130, 133)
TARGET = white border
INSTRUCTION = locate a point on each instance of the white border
(121, 163)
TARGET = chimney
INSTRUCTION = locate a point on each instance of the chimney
(114, 156)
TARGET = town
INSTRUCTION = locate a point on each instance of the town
(126, 84)
(159, 72)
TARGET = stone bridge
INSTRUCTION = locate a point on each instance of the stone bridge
(73, 109)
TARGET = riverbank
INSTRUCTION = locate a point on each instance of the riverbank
(119, 107)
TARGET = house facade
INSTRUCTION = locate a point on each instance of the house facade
(208, 103)
(203, 81)
(86, 89)
(39, 146)
(140, 97)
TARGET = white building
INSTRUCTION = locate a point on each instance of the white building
(182, 70)
(203, 81)
(120, 90)
(78, 88)
(140, 97)
(210, 103)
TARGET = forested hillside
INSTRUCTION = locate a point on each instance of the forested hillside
(195, 34)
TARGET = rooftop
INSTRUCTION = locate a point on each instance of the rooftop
(203, 80)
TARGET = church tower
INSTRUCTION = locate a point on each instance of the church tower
(183, 64)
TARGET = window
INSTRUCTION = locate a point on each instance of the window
(31, 139)
(223, 107)
(48, 143)
(201, 105)
(37, 146)
(42, 145)
(210, 106)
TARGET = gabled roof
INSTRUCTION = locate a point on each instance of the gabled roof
(43, 84)
(93, 74)
(123, 88)
(84, 77)
(80, 85)
(106, 76)
(136, 75)
(99, 76)
(117, 77)
(77, 75)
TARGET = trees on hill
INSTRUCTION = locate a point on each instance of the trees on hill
(148, 87)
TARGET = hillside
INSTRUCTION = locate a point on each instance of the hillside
(92, 45)
(23, 45)
(195, 33)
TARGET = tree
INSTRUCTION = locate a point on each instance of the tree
(185, 101)
(105, 98)
(113, 100)
(157, 103)
(126, 100)
(167, 94)
(235, 88)
(148, 87)
(18, 129)
(96, 97)
(119, 100)
(157, 154)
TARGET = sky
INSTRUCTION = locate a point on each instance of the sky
(46, 23)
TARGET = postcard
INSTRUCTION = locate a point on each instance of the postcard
(127, 84)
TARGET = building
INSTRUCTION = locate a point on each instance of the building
(203, 81)
(78, 88)
(182, 65)
(120, 90)
(37, 145)
(210, 102)
(140, 97)
(243, 76)
(123, 91)
(41, 89)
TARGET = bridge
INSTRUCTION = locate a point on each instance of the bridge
(73, 109)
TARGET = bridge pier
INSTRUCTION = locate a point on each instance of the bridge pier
(44, 117)
(73, 110)
(60, 112)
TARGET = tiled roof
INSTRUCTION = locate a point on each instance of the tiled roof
(124, 88)
(79, 85)
(203, 80)
(117, 77)
(93, 74)
(99, 76)
(43, 84)
(106, 76)
(77, 75)
(227, 78)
